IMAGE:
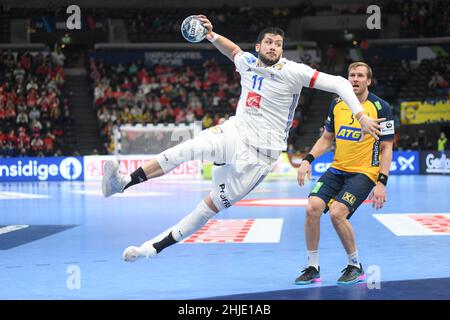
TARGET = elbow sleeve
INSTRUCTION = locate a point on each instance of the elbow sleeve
(343, 84)
(342, 88)
(335, 84)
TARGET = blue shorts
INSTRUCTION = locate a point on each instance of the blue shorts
(350, 189)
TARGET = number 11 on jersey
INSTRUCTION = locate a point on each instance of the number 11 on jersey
(255, 80)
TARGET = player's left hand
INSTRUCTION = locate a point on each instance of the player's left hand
(371, 126)
(207, 24)
(378, 196)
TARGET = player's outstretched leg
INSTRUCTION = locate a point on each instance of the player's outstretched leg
(113, 182)
(200, 147)
(187, 226)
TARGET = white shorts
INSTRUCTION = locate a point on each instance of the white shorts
(238, 169)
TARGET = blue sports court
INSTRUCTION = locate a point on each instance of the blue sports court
(63, 240)
(86, 82)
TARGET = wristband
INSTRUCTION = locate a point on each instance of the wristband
(309, 157)
(382, 178)
(214, 38)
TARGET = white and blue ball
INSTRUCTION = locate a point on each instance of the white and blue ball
(193, 30)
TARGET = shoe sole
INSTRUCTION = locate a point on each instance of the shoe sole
(308, 282)
(132, 257)
(359, 279)
(108, 170)
(136, 255)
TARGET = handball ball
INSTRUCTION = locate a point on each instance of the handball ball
(193, 30)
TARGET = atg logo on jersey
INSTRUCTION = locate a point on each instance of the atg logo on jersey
(253, 100)
(349, 133)
(42, 169)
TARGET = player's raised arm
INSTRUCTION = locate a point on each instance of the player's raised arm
(224, 45)
(343, 88)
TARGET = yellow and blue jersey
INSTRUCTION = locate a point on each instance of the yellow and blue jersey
(351, 155)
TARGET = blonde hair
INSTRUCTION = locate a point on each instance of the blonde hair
(361, 64)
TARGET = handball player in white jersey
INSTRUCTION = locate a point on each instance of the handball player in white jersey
(245, 147)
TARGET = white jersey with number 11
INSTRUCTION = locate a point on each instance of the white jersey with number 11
(268, 99)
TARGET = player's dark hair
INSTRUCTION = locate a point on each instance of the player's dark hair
(272, 30)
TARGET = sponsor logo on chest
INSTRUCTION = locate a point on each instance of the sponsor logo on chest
(253, 100)
(349, 133)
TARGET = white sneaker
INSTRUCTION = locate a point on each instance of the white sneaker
(132, 253)
(112, 181)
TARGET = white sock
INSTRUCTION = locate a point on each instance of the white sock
(192, 222)
(353, 259)
(187, 226)
(313, 258)
(126, 181)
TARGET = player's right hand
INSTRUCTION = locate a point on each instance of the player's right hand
(371, 126)
(304, 171)
(207, 24)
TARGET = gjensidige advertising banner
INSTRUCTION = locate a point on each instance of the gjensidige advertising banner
(435, 162)
(41, 169)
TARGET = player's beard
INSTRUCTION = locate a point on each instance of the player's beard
(267, 61)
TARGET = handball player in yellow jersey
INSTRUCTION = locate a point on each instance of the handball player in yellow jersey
(361, 165)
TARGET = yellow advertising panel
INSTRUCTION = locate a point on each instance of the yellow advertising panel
(417, 112)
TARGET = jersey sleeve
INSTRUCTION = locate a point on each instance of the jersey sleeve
(302, 75)
(387, 126)
(329, 123)
(243, 60)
